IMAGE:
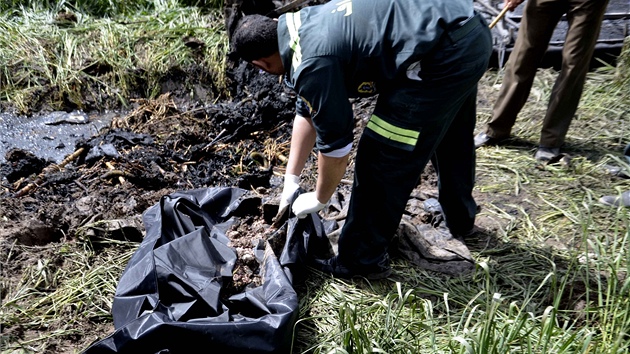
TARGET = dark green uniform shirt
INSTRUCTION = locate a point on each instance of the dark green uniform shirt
(347, 48)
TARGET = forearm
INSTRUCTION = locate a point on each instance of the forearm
(302, 142)
(330, 171)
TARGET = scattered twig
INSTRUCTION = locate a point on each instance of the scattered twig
(159, 168)
(282, 158)
(210, 144)
(118, 173)
(81, 185)
(49, 169)
(243, 101)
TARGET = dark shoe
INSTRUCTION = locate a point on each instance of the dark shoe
(467, 234)
(483, 139)
(446, 231)
(544, 154)
(614, 200)
(332, 265)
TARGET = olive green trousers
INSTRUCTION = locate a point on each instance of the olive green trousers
(540, 18)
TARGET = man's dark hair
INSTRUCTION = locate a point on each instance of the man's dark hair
(255, 37)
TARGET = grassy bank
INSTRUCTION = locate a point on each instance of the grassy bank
(96, 55)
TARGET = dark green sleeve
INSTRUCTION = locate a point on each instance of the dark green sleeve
(321, 86)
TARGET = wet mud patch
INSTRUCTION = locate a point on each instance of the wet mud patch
(49, 136)
(20, 164)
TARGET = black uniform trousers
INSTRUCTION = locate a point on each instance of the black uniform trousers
(440, 103)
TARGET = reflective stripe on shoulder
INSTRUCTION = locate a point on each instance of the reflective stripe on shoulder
(390, 131)
(293, 25)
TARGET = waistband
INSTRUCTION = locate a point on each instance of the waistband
(463, 28)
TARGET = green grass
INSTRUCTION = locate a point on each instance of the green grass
(69, 284)
(524, 296)
(103, 8)
(106, 59)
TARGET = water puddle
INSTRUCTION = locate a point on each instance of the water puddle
(52, 136)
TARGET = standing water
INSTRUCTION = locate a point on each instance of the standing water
(52, 136)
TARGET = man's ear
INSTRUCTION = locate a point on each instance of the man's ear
(271, 64)
(261, 64)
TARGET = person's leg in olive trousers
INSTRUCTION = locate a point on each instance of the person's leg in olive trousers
(540, 18)
(585, 18)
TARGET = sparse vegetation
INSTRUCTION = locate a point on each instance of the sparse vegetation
(55, 57)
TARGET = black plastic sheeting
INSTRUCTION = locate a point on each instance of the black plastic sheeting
(168, 299)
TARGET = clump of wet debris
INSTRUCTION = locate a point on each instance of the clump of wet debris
(154, 149)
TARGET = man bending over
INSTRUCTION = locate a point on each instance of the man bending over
(424, 59)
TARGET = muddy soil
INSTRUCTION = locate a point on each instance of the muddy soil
(155, 149)
(101, 191)
(161, 146)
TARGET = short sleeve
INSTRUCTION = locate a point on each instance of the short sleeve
(321, 89)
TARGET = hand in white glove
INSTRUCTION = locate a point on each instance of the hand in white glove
(305, 204)
(291, 184)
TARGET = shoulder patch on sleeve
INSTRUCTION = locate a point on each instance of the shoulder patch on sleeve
(344, 6)
(367, 87)
(309, 105)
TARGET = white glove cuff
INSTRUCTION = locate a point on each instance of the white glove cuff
(291, 179)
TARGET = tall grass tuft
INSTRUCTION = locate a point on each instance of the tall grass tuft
(104, 8)
(69, 284)
(97, 61)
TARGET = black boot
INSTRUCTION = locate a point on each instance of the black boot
(332, 265)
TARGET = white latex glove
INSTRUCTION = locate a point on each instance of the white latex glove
(291, 184)
(305, 204)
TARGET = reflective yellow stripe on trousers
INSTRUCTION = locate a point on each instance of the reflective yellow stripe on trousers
(390, 131)
(293, 24)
